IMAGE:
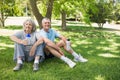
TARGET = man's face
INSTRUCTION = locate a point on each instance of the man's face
(28, 27)
(46, 24)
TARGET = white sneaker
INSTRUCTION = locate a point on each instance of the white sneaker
(71, 63)
(80, 59)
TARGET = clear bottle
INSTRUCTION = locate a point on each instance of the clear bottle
(28, 40)
(68, 44)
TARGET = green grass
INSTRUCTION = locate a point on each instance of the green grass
(101, 48)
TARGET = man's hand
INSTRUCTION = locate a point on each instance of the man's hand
(60, 52)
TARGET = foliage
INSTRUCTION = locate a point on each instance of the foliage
(116, 13)
(101, 13)
(102, 53)
(42, 6)
(66, 5)
(6, 10)
(22, 8)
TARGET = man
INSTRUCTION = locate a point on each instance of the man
(51, 34)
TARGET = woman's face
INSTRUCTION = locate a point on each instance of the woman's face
(28, 27)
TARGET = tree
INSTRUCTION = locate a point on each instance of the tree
(100, 13)
(6, 9)
(116, 13)
(37, 14)
(63, 8)
(22, 8)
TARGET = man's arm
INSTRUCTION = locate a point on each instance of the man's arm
(47, 41)
(63, 38)
(53, 45)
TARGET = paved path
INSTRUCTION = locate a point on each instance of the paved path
(19, 21)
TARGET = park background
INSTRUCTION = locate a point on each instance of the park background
(93, 27)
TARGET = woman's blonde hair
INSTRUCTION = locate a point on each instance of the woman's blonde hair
(33, 24)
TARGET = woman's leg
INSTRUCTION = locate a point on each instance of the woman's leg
(18, 56)
(39, 57)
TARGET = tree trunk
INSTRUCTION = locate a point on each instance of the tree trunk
(100, 25)
(49, 9)
(2, 20)
(63, 20)
(2, 23)
(36, 13)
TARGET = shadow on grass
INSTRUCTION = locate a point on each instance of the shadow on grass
(99, 47)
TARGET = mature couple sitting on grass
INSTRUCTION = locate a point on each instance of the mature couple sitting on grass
(31, 45)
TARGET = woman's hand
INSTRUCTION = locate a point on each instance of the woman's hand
(32, 51)
(24, 42)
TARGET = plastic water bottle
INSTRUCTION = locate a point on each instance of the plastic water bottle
(28, 40)
(68, 44)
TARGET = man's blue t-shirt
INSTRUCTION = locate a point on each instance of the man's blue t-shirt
(51, 34)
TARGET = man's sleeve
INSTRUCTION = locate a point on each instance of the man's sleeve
(57, 34)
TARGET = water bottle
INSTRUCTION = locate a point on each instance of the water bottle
(68, 44)
(28, 41)
(28, 36)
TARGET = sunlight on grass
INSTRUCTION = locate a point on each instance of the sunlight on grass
(102, 42)
(84, 42)
(99, 77)
(108, 55)
(6, 45)
(2, 48)
(78, 42)
(90, 52)
(112, 47)
(102, 50)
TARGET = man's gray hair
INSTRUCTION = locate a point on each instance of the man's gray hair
(45, 18)
(33, 24)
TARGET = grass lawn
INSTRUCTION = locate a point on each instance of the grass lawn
(101, 48)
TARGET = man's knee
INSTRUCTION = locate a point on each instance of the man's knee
(47, 52)
(61, 43)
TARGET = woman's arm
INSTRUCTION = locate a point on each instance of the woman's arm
(17, 40)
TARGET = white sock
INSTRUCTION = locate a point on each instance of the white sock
(36, 61)
(68, 61)
(75, 55)
(19, 61)
(68, 47)
(63, 58)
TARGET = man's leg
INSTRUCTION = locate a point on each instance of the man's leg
(62, 57)
(47, 53)
(77, 57)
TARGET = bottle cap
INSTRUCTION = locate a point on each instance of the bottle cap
(68, 39)
(28, 35)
